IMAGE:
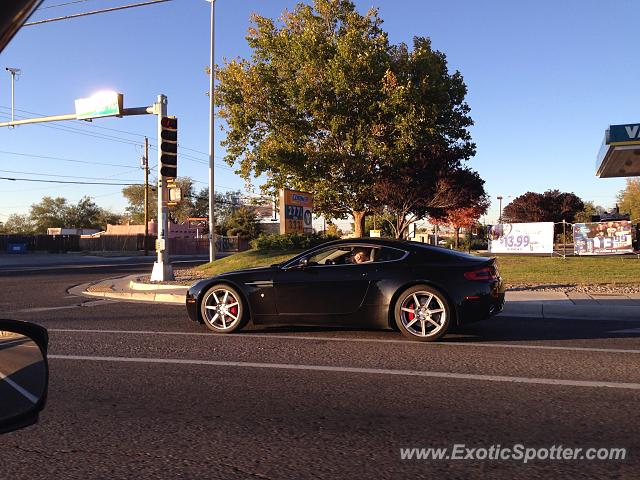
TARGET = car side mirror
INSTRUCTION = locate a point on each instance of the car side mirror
(24, 373)
(302, 264)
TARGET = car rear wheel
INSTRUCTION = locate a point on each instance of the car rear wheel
(222, 309)
(422, 313)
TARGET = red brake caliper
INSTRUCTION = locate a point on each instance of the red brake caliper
(411, 315)
(234, 309)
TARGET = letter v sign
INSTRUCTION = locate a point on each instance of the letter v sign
(632, 132)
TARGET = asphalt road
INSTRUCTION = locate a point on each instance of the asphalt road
(138, 391)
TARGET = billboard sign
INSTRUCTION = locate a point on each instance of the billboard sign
(296, 212)
(521, 238)
(603, 238)
(624, 134)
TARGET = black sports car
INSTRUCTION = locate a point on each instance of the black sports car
(420, 289)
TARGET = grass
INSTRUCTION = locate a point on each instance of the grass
(571, 270)
(248, 259)
(514, 269)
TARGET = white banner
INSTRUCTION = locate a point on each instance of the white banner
(521, 238)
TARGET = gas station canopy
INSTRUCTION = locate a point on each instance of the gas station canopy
(619, 155)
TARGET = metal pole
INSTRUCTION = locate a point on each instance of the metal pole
(162, 269)
(212, 220)
(13, 100)
(500, 216)
(13, 72)
(564, 238)
(146, 195)
(126, 112)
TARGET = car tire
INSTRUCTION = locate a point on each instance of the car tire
(427, 323)
(223, 309)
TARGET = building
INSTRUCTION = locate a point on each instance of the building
(187, 229)
(54, 231)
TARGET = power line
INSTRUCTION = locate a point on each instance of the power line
(68, 129)
(16, 179)
(47, 157)
(94, 12)
(81, 131)
(62, 176)
(61, 5)
(84, 123)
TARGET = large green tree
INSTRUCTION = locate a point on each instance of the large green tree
(433, 184)
(18, 224)
(58, 213)
(629, 199)
(326, 105)
(550, 206)
(85, 214)
(49, 212)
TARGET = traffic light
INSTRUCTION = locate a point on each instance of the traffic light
(169, 147)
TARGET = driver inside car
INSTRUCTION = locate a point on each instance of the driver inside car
(360, 255)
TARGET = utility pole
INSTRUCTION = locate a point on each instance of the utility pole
(500, 217)
(13, 71)
(146, 195)
(212, 195)
(564, 238)
(162, 269)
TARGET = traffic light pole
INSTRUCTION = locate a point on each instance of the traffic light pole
(146, 195)
(162, 269)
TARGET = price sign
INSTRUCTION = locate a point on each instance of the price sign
(295, 212)
(535, 237)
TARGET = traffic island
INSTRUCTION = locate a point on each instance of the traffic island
(128, 288)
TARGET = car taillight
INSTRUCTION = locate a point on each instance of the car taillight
(482, 274)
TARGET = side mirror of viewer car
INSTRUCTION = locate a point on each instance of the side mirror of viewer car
(24, 373)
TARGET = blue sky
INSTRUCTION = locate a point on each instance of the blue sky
(545, 79)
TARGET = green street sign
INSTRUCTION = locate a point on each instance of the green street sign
(101, 104)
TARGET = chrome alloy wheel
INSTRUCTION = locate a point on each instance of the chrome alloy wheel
(423, 314)
(222, 310)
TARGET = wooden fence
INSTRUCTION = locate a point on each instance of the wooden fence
(118, 243)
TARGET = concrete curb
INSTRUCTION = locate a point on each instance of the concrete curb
(598, 313)
(163, 298)
(135, 285)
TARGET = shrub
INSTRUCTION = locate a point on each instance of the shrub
(291, 241)
(463, 244)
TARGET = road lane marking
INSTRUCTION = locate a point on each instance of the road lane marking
(29, 396)
(341, 339)
(372, 371)
(46, 309)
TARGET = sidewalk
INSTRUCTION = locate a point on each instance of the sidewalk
(533, 304)
(573, 305)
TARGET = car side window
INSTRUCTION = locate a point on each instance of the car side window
(387, 254)
(331, 256)
(355, 254)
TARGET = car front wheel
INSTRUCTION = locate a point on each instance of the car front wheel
(222, 309)
(422, 313)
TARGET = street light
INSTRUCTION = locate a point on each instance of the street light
(212, 224)
(13, 72)
(500, 216)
